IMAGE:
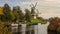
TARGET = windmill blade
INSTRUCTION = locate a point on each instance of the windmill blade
(35, 4)
(32, 5)
(38, 11)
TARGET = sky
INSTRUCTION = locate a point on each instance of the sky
(47, 8)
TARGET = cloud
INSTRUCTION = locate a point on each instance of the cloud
(52, 0)
(26, 4)
(48, 8)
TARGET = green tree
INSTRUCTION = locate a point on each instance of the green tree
(27, 15)
(18, 14)
(6, 11)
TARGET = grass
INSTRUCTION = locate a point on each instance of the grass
(35, 21)
(38, 21)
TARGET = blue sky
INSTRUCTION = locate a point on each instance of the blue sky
(48, 8)
(10, 2)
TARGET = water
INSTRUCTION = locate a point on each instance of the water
(38, 29)
(52, 32)
(42, 28)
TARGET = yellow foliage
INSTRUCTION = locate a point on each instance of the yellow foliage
(1, 10)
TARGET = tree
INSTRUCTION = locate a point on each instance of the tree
(54, 23)
(19, 16)
(6, 11)
(27, 15)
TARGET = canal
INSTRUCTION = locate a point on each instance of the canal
(32, 29)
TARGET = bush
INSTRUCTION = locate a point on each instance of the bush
(58, 29)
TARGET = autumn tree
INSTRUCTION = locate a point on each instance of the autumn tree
(54, 23)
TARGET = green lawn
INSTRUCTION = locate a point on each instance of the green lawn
(35, 20)
(38, 21)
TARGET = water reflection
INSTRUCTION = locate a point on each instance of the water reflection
(32, 29)
(42, 28)
(50, 32)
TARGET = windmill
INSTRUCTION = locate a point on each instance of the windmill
(33, 13)
(33, 8)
